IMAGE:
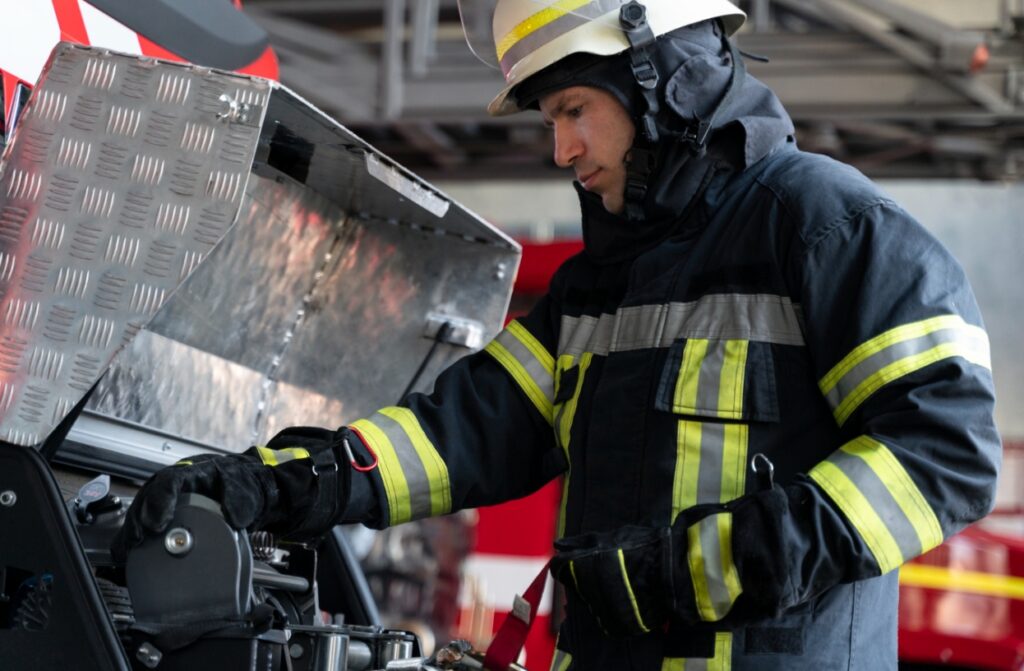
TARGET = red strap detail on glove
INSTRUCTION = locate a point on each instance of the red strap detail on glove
(511, 637)
(352, 458)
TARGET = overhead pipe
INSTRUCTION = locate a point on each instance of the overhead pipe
(960, 51)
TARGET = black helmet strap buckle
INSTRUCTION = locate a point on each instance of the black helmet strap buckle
(640, 163)
(633, 18)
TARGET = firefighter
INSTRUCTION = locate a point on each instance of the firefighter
(765, 385)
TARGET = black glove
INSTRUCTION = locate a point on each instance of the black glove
(635, 579)
(293, 487)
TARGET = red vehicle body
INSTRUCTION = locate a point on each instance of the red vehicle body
(207, 33)
(961, 605)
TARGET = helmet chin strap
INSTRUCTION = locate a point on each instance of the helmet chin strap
(642, 156)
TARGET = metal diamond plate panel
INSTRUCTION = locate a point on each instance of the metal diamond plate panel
(123, 175)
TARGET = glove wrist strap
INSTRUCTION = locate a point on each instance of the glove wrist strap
(327, 508)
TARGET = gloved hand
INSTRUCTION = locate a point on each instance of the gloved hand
(634, 579)
(296, 486)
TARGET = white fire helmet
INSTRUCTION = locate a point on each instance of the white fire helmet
(523, 37)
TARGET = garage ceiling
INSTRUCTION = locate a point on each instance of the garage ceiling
(898, 88)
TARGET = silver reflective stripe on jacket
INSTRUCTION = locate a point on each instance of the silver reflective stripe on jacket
(762, 317)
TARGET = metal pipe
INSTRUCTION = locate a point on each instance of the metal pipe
(273, 579)
(391, 59)
(424, 36)
(843, 15)
(760, 12)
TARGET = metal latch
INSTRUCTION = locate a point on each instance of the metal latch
(461, 331)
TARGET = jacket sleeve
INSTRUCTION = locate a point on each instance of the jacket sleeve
(482, 436)
(902, 360)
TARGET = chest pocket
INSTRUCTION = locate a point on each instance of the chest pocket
(716, 387)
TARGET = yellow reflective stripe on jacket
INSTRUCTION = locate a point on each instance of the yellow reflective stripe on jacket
(730, 388)
(564, 426)
(722, 661)
(899, 352)
(529, 364)
(685, 396)
(435, 470)
(877, 495)
(414, 475)
(277, 457)
(762, 317)
(629, 591)
(716, 582)
(710, 379)
(561, 660)
(711, 461)
(569, 408)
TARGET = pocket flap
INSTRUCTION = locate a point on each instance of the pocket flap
(719, 378)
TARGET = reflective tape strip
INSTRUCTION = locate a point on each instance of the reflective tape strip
(415, 476)
(564, 425)
(436, 471)
(710, 379)
(761, 317)
(396, 489)
(877, 495)
(734, 461)
(529, 364)
(716, 583)
(956, 580)
(277, 457)
(899, 352)
(629, 591)
(561, 660)
(730, 388)
(722, 661)
(553, 21)
(687, 474)
(688, 380)
(710, 463)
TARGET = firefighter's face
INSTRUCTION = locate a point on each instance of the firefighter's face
(593, 135)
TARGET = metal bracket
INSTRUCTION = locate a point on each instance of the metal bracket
(462, 331)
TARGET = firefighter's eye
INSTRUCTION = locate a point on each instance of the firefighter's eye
(575, 112)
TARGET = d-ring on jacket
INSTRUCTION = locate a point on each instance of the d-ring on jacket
(807, 318)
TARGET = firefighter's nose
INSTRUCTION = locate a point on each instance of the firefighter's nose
(568, 146)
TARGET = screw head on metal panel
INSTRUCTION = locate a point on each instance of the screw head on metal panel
(296, 651)
(499, 272)
(178, 541)
(148, 655)
(8, 498)
(233, 110)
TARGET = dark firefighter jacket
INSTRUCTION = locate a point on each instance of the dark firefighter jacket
(811, 320)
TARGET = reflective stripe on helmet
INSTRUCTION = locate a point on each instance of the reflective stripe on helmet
(547, 24)
(528, 39)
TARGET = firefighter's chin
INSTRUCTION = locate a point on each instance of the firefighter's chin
(614, 201)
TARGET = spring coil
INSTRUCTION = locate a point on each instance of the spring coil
(263, 545)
